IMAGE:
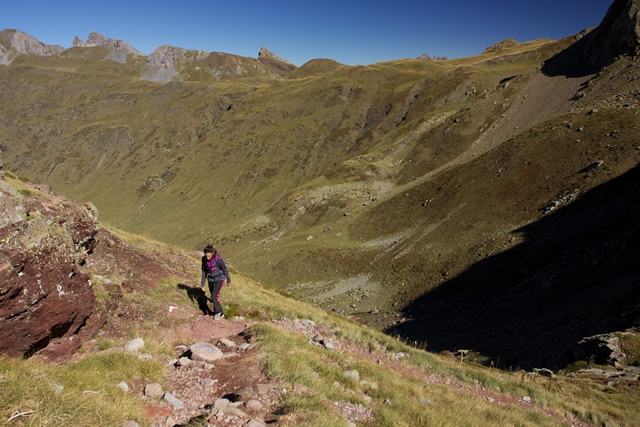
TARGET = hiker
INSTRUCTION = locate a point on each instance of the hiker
(214, 268)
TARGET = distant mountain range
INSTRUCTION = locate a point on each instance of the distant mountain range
(164, 63)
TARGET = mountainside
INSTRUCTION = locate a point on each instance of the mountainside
(392, 191)
(73, 294)
(14, 42)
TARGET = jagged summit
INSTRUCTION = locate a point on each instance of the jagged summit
(267, 54)
(168, 62)
(118, 49)
(428, 57)
(15, 42)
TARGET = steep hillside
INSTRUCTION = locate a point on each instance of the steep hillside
(150, 353)
(361, 189)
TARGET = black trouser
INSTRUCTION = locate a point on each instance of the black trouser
(215, 288)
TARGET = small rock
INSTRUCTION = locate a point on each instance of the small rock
(387, 402)
(329, 346)
(123, 386)
(308, 322)
(253, 405)
(593, 166)
(130, 423)
(309, 238)
(184, 361)
(544, 372)
(57, 389)
(145, 356)
(224, 405)
(254, 423)
(527, 399)
(353, 374)
(246, 393)
(154, 391)
(209, 366)
(170, 422)
(263, 388)
(134, 346)
(173, 400)
(208, 382)
(227, 343)
(230, 354)
(206, 352)
(244, 347)
(299, 389)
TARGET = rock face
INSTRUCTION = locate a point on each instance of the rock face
(170, 56)
(617, 34)
(267, 54)
(118, 49)
(14, 42)
(279, 65)
(44, 297)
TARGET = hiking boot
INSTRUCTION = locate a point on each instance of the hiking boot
(218, 316)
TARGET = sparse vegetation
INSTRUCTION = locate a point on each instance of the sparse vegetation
(83, 393)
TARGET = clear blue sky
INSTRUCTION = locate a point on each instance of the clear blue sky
(350, 32)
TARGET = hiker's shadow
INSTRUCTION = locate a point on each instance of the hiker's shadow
(197, 294)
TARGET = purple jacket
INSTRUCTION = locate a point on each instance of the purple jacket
(215, 269)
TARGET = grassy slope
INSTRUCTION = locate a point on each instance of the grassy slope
(446, 387)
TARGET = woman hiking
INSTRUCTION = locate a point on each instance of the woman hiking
(214, 269)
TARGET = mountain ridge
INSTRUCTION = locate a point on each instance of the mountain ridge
(14, 42)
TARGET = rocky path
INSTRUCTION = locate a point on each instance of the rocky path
(220, 380)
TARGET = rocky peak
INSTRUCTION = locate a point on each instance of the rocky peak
(267, 54)
(77, 42)
(169, 56)
(14, 42)
(428, 57)
(118, 49)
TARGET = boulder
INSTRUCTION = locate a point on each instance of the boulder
(134, 346)
(206, 352)
(173, 400)
(154, 391)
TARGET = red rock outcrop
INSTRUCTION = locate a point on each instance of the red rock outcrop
(44, 297)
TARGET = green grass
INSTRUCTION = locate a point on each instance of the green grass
(82, 393)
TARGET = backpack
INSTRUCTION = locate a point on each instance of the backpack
(212, 265)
